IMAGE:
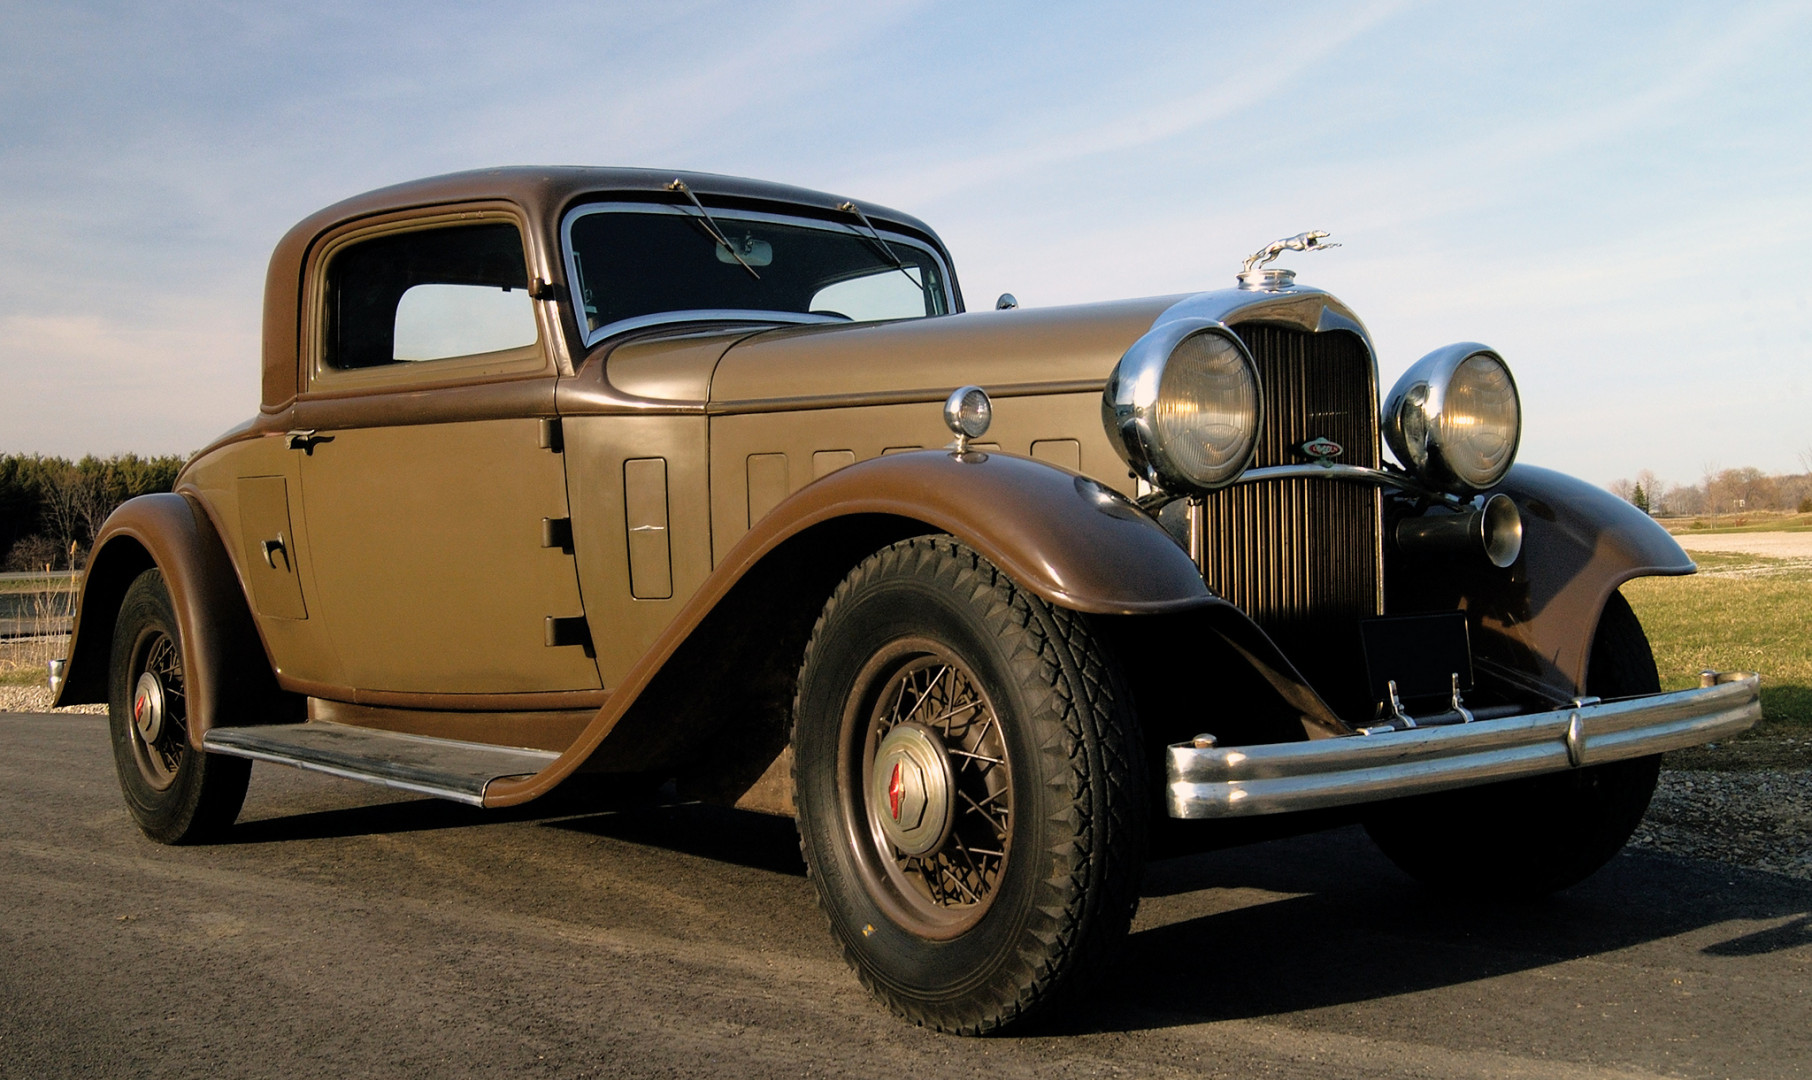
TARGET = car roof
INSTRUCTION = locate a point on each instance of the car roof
(544, 194)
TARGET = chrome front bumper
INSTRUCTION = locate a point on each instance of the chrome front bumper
(1241, 781)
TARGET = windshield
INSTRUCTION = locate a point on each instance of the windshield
(633, 262)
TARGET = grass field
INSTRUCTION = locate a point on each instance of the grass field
(1741, 523)
(1739, 612)
(37, 608)
(36, 583)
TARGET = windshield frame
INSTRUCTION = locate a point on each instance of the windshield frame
(761, 315)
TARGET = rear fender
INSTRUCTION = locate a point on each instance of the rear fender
(227, 672)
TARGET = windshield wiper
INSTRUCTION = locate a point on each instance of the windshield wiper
(852, 208)
(717, 234)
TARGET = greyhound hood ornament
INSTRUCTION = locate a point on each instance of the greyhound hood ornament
(1253, 274)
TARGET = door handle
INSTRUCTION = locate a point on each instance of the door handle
(271, 547)
(306, 441)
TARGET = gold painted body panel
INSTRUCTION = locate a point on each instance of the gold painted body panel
(825, 462)
(767, 478)
(267, 546)
(993, 349)
(545, 729)
(753, 453)
(299, 649)
(674, 368)
(430, 572)
(622, 626)
(1066, 453)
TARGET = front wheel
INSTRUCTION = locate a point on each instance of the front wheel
(1533, 836)
(176, 794)
(970, 788)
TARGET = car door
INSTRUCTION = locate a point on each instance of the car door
(432, 473)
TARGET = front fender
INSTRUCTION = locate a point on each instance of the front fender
(226, 671)
(729, 656)
(1065, 537)
(1579, 544)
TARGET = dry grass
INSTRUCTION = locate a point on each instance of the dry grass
(35, 612)
(1740, 612)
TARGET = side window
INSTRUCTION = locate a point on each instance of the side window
(433, 294)
(890, 294)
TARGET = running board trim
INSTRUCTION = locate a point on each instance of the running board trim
(444, 768)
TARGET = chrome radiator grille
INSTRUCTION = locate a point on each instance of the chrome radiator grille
(1294, 553)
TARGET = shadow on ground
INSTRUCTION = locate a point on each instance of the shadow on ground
(1344, 925)
(760, 841)
(1358, 930)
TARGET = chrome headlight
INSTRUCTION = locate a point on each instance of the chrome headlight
(1454, 418)
(1182, 406)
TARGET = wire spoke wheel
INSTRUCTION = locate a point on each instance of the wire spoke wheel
(160, 729)
(970, 789)
(957, 791)
(176, 793)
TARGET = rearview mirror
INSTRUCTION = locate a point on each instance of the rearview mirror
(754, 252)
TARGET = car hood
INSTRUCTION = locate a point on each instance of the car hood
(1063, 348)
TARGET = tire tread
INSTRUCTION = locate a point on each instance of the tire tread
(1099, 849)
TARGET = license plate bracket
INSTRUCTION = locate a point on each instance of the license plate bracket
(1420, 653)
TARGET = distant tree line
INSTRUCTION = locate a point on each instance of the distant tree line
(1720, 492)
(51, 507)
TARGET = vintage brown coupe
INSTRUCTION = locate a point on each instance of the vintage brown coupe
(611, 477)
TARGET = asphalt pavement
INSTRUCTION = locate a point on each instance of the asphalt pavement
(349, 931)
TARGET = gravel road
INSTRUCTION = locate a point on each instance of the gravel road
(1778, 545)
(347, 930)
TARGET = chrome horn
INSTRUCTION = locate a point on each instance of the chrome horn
(1494, 530)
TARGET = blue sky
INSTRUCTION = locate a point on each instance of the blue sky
(1616, 197)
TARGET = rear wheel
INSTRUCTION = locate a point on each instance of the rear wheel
(969, 786)
(1533, 836)
(174, 792)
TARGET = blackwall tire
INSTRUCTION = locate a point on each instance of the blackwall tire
(176, 794)
(993, 902)
(1527, 838)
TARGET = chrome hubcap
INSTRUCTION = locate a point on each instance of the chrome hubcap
(148, 708)
(160, 730)
(910, 794)
(934, 813)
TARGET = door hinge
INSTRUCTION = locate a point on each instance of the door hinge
(551, 436)
(557, 533)
(569, 630)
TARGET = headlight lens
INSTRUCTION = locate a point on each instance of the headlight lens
(1454, 418)
(1183, 405)
(1207, 409)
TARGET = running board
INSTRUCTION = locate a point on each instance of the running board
(444, 768)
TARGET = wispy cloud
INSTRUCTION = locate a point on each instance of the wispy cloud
(1260, 74)
(1614, 194)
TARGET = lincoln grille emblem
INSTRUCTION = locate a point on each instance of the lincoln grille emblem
(1322, 449)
